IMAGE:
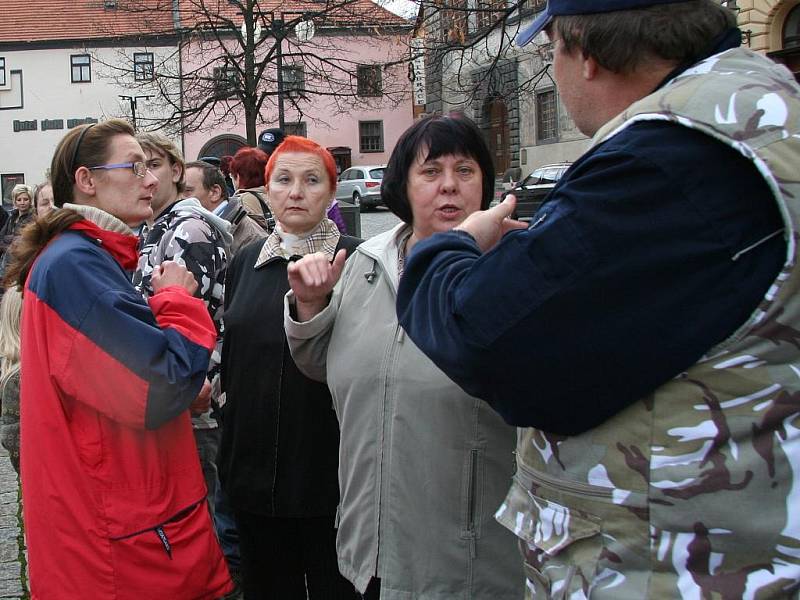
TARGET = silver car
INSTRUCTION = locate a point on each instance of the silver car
(361, 185)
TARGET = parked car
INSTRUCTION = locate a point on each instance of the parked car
(361, 185)
(531, 191)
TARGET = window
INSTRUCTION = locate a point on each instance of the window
(2, 71)
(535, 5)
(546, 118)
(791, 29)
(294, 81)
(226, 81)
(488, 12)
(81, 68)
(296, 129)
(369, 80)
(8, 181)
(453, 21)
(370, 136)
(143, 66)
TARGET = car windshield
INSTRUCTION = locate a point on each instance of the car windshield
(376, 173)
(544, 175)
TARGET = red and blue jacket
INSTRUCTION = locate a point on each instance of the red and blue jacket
(112, 486)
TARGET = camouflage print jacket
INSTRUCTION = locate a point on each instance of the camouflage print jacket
(693, 492)
(192, 236)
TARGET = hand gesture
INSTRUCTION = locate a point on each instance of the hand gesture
(312, 279)
(170, 273)
(488, 226)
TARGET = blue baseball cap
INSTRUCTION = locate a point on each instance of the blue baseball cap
(557, 8)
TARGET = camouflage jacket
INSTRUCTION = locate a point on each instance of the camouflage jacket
(694, 491)
(190, 235)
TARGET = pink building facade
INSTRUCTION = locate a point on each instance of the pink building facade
(332, 104)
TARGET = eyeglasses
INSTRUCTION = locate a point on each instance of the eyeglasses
(139, 168)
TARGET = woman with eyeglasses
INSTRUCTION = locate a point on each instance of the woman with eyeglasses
(114, 498)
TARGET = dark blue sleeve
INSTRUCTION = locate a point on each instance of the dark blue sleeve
(625, 279)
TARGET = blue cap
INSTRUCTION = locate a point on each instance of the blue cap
(557, 8)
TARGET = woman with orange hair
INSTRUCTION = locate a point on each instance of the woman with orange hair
(278, 459)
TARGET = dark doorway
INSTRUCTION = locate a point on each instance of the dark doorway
(222, 145)
(496, 115)
(341, 154)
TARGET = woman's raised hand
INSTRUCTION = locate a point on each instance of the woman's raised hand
(312, 279)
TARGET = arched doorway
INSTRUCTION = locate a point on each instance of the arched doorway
(496, 115)
(222, 145)
(789, 52)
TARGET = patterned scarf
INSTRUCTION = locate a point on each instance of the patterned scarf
(323, 238)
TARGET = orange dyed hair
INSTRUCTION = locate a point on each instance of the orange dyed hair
(295, 143)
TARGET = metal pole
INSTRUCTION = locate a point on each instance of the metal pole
(277, 25)
(133, 112)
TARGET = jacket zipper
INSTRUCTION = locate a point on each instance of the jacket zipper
(159, 529)
(397, 339)
(472, 501)
(570, 487)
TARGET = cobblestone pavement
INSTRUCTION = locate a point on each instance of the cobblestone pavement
(11, 545)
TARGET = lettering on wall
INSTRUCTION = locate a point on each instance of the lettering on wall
(50, 124)
(25, 125)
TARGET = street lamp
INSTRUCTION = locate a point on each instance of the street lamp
(132, 100)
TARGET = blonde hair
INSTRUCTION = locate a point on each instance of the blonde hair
(10, 317)
(21, 188)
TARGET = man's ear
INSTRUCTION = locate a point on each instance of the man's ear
(177, 173)
(589, 68)
(216, 192)
(84, 180)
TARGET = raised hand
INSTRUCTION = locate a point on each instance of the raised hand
(488, 226)
(312, 279)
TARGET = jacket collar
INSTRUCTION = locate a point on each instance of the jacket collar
(109, 232)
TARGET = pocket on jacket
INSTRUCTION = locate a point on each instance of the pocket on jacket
(176, 559)
(560, 546)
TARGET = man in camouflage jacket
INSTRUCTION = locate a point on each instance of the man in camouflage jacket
(185, 232)
(644, 331)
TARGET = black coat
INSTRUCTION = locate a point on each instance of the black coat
(279, 454)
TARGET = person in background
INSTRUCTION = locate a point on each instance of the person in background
(247, 172)
(43, 199)
(423, 464)
(278, 457)
(10, 310)
(270, 139)
(114, 495)
(185, 232)
(225, 167)
(206, 183)
(643, 331)
(335, 215)
(21, 215)
(21, 198)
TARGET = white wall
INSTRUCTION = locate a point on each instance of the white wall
(48, 93)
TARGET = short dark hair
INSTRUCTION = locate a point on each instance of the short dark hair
(211, 176)
(441, 135)
(620, 41)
